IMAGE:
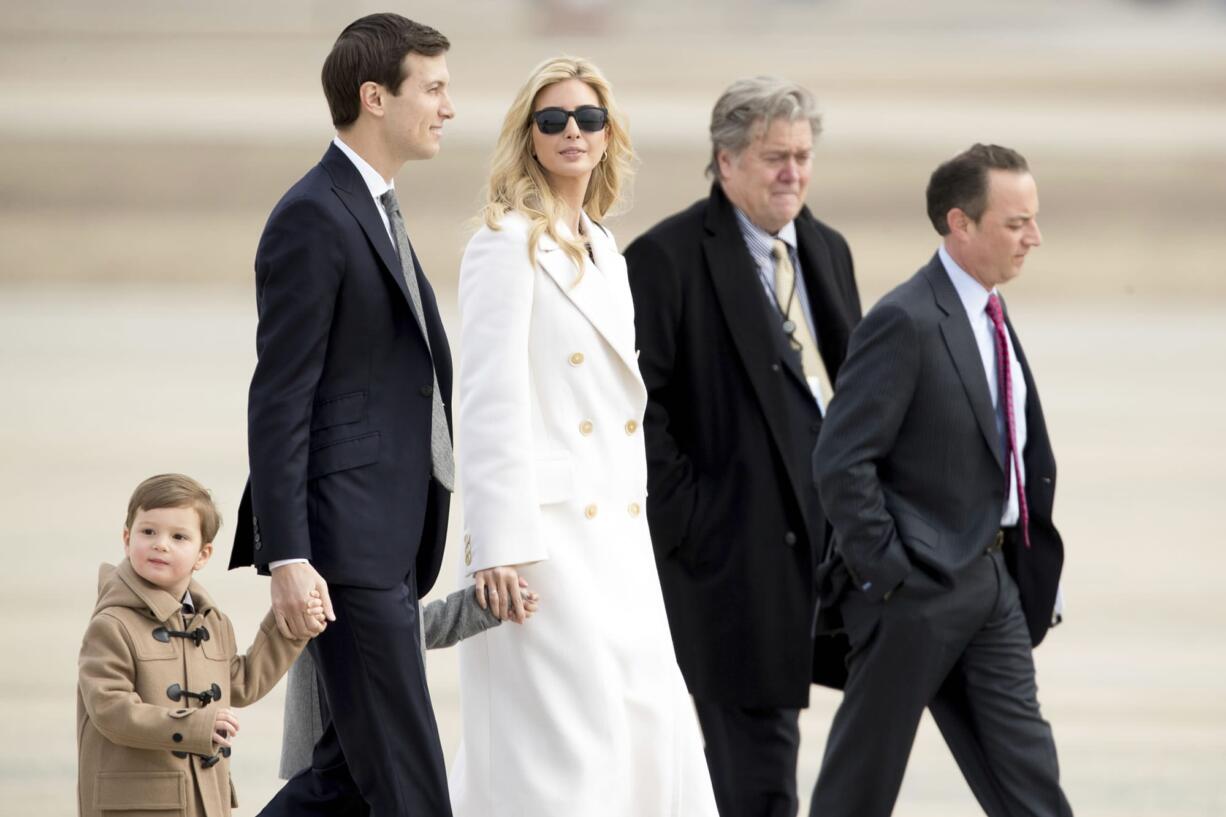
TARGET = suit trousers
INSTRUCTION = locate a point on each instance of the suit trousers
(379, 754)
(751, 755)
(964, 653)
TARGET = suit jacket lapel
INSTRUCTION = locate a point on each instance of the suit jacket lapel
(595, 294)
(353, 193)
(960, 341)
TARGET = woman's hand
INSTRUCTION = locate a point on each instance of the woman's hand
(497, 590)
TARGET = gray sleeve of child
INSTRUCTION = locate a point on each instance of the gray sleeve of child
(455, 618)
(303, 724)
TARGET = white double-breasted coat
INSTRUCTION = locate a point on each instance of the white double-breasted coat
(582, 710)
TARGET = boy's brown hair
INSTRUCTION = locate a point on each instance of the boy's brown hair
(176, 491)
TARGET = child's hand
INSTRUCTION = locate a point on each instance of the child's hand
(531, 600)
(317, 620)
(225, 726)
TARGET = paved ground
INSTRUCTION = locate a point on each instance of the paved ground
(105, 385)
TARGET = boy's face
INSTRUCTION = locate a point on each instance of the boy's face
(164, 547)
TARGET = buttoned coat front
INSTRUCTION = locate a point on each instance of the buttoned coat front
(581, 710)
(140, 751)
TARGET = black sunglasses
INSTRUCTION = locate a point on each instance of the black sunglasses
(589, 118)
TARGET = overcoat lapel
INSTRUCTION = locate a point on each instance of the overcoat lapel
(959, 340)
(740, 297)
(595, 294)
(817, 268)
(354, 194)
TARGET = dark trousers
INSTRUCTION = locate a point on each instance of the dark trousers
(751, 754)
(379, 754)
(964, 652)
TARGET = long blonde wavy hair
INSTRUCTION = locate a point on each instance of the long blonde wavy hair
(517, 180)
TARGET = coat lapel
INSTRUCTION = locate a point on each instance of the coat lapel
(960, 341)
(817, 268)
(740, 296)
(596, 294)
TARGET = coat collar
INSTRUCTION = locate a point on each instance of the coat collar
(960, 341)
(121, 586)
(602, 294)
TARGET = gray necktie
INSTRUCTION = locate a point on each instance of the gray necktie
(442, 461)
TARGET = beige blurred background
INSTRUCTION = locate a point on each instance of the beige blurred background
(142, 145)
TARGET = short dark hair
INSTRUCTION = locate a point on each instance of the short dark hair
(962, 182)
(372, 49)
(176, 491)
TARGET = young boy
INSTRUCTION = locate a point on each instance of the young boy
(159, 668)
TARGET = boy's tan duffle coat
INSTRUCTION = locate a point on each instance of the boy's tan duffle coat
(145, 745)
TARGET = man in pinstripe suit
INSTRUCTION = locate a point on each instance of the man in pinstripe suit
(936, 472)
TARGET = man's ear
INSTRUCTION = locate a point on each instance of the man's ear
(959, 222)
(724, 160)
(206, 551)
(370, 96)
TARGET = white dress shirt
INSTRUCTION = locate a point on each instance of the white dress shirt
(975, 301)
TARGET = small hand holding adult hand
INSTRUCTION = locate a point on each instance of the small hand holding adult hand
(225, 726)
(531, 600)
(292, 586)
(497, 590)
(316, 619)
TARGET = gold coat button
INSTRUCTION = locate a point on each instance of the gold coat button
(590, 511)
(468, 548)
(634, 509)
(576, 359)
(585, 428)
(632, 426)
(468, 557)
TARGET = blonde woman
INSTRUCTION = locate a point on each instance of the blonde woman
(583, 710)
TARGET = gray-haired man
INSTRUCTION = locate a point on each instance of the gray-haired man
(744, 303)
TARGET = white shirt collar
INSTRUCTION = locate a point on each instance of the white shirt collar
(972, 294)
(374, 182)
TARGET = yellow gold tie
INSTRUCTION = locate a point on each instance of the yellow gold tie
(800, 334)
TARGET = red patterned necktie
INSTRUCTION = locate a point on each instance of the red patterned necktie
(1005, 393)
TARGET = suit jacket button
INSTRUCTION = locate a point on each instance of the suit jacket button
(576, 359)
(816, 427)
(774, 367)
(176, 737)
(585, 428)
(634, 509)
(632, 426)
(590, 511)
(789, 539)
(427, 391)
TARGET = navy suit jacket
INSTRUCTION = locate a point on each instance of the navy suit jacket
(338, 418)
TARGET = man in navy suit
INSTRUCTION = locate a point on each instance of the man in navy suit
(937, 474)
(349, 427)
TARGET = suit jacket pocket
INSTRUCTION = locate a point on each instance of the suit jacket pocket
(555, 480)
(914, 531)
(342, 455)
(339, 410)
(152, 794)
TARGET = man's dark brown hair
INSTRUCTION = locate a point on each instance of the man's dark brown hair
(962, 182)
(372, 49)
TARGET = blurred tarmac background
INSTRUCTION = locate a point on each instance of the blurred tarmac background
(142, 145)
